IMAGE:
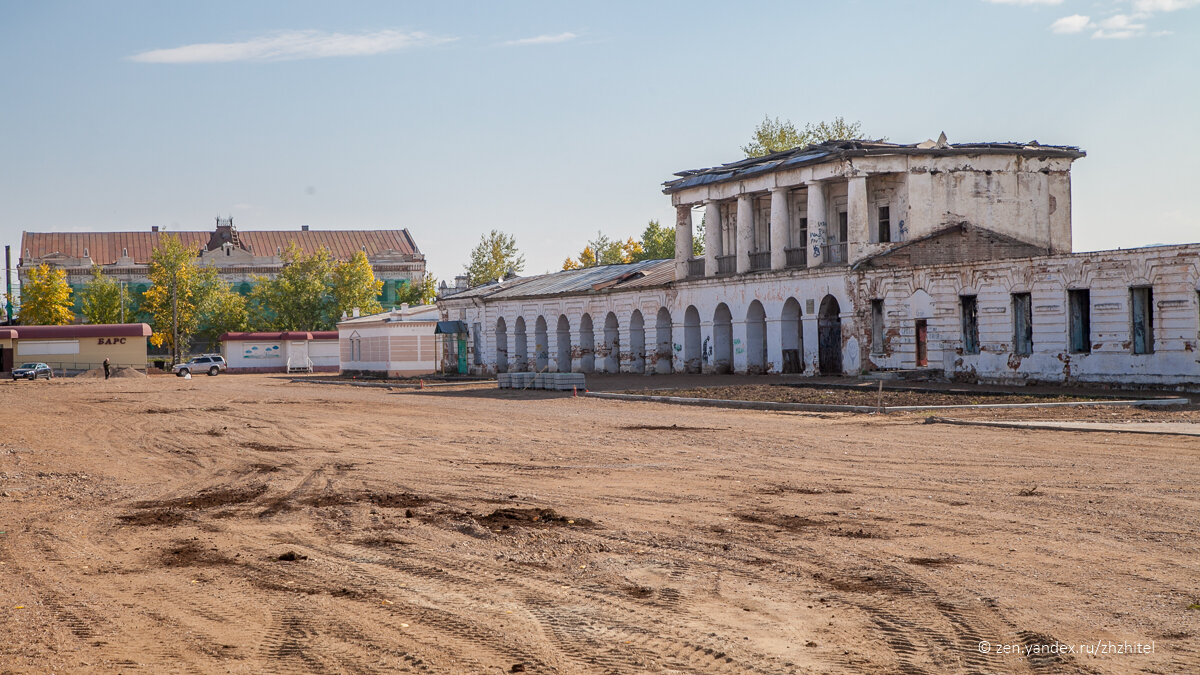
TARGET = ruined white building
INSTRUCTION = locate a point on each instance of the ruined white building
(853, 256)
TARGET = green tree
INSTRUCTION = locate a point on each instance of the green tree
(299, 297)
(423, 293)
(46, 298)
(775, 135)
(220, 309)
(493, 258)
(170, 301)
(698, 239)
(658, 242)
(353, 285)
(102, 299)
(604, 250)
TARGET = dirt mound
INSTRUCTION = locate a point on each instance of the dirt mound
(98, 373)
(190, 554)
(208, 499)
(532, 518)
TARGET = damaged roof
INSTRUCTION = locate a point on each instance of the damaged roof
(828, 151)
(586, 281)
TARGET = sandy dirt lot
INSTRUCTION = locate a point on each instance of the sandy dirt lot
(143, 521)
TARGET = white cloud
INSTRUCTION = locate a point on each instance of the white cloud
(1119, 27)
(291, 45)
(542, 40)
(1026, 2)
(1076, 23)
(1148, 6)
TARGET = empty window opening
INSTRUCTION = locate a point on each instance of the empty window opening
(1079, 309)
(885, 224)
(877, 326)
(1143, 320)
(843, 226)
(1022, 304)
(970, 323)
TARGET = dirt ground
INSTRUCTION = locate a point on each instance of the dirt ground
(249, 524)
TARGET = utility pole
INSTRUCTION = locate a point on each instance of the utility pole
(174, 321)
(8, 282)
(122, 302)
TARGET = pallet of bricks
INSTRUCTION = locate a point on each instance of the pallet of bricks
(556, 381)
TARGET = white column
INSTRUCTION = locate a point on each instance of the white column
(576, 342)
(812, 354)
(683, 240)
(740, 362)
(774, 346)
(712, 236)
(745, 232)
(649, 346)
(678, 363)
(816, 223)
(552, 347)
(779, 227)
(857, 234)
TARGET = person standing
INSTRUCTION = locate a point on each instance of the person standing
(106, 368)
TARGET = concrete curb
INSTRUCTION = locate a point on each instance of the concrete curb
(1056, 427)
(822, 407)
(392, 385)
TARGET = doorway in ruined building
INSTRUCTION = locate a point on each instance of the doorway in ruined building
(501, 346)
(692, 358)
(663, 354)
(587, 345)
(637, 342)
(521, 348)
(756, 339)
(541, 345)
(722, 340)
(562, 360)
(791, 330)
(829, 336)
(612, 344)
(922, 343)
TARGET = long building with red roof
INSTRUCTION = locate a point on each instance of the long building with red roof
(238, 255)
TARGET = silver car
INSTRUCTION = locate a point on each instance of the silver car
(32, 371)
(208, 363)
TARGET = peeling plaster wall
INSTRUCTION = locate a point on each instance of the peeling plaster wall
(930, 293)
(1172, 271)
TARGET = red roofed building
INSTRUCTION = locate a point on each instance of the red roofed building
(239, 256)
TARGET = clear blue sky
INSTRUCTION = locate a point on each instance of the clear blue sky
(553, 120)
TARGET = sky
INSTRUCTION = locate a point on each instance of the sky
(552, 121)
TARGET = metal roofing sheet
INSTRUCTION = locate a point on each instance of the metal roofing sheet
(581, 281)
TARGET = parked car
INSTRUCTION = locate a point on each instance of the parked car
(32, 371)
(208, 363)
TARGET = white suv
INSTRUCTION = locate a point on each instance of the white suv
(209, 363)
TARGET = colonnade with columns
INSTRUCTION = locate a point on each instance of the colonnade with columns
(822, 233)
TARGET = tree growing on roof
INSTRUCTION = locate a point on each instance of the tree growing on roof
(46, 298)
(493, 258)
(353, 284)
(102, 299)
(775, 135)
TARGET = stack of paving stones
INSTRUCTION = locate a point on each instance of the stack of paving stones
(555, 381)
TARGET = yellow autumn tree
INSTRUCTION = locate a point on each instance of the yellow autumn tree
(171, 299)
(353, 286)
(46, 298)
